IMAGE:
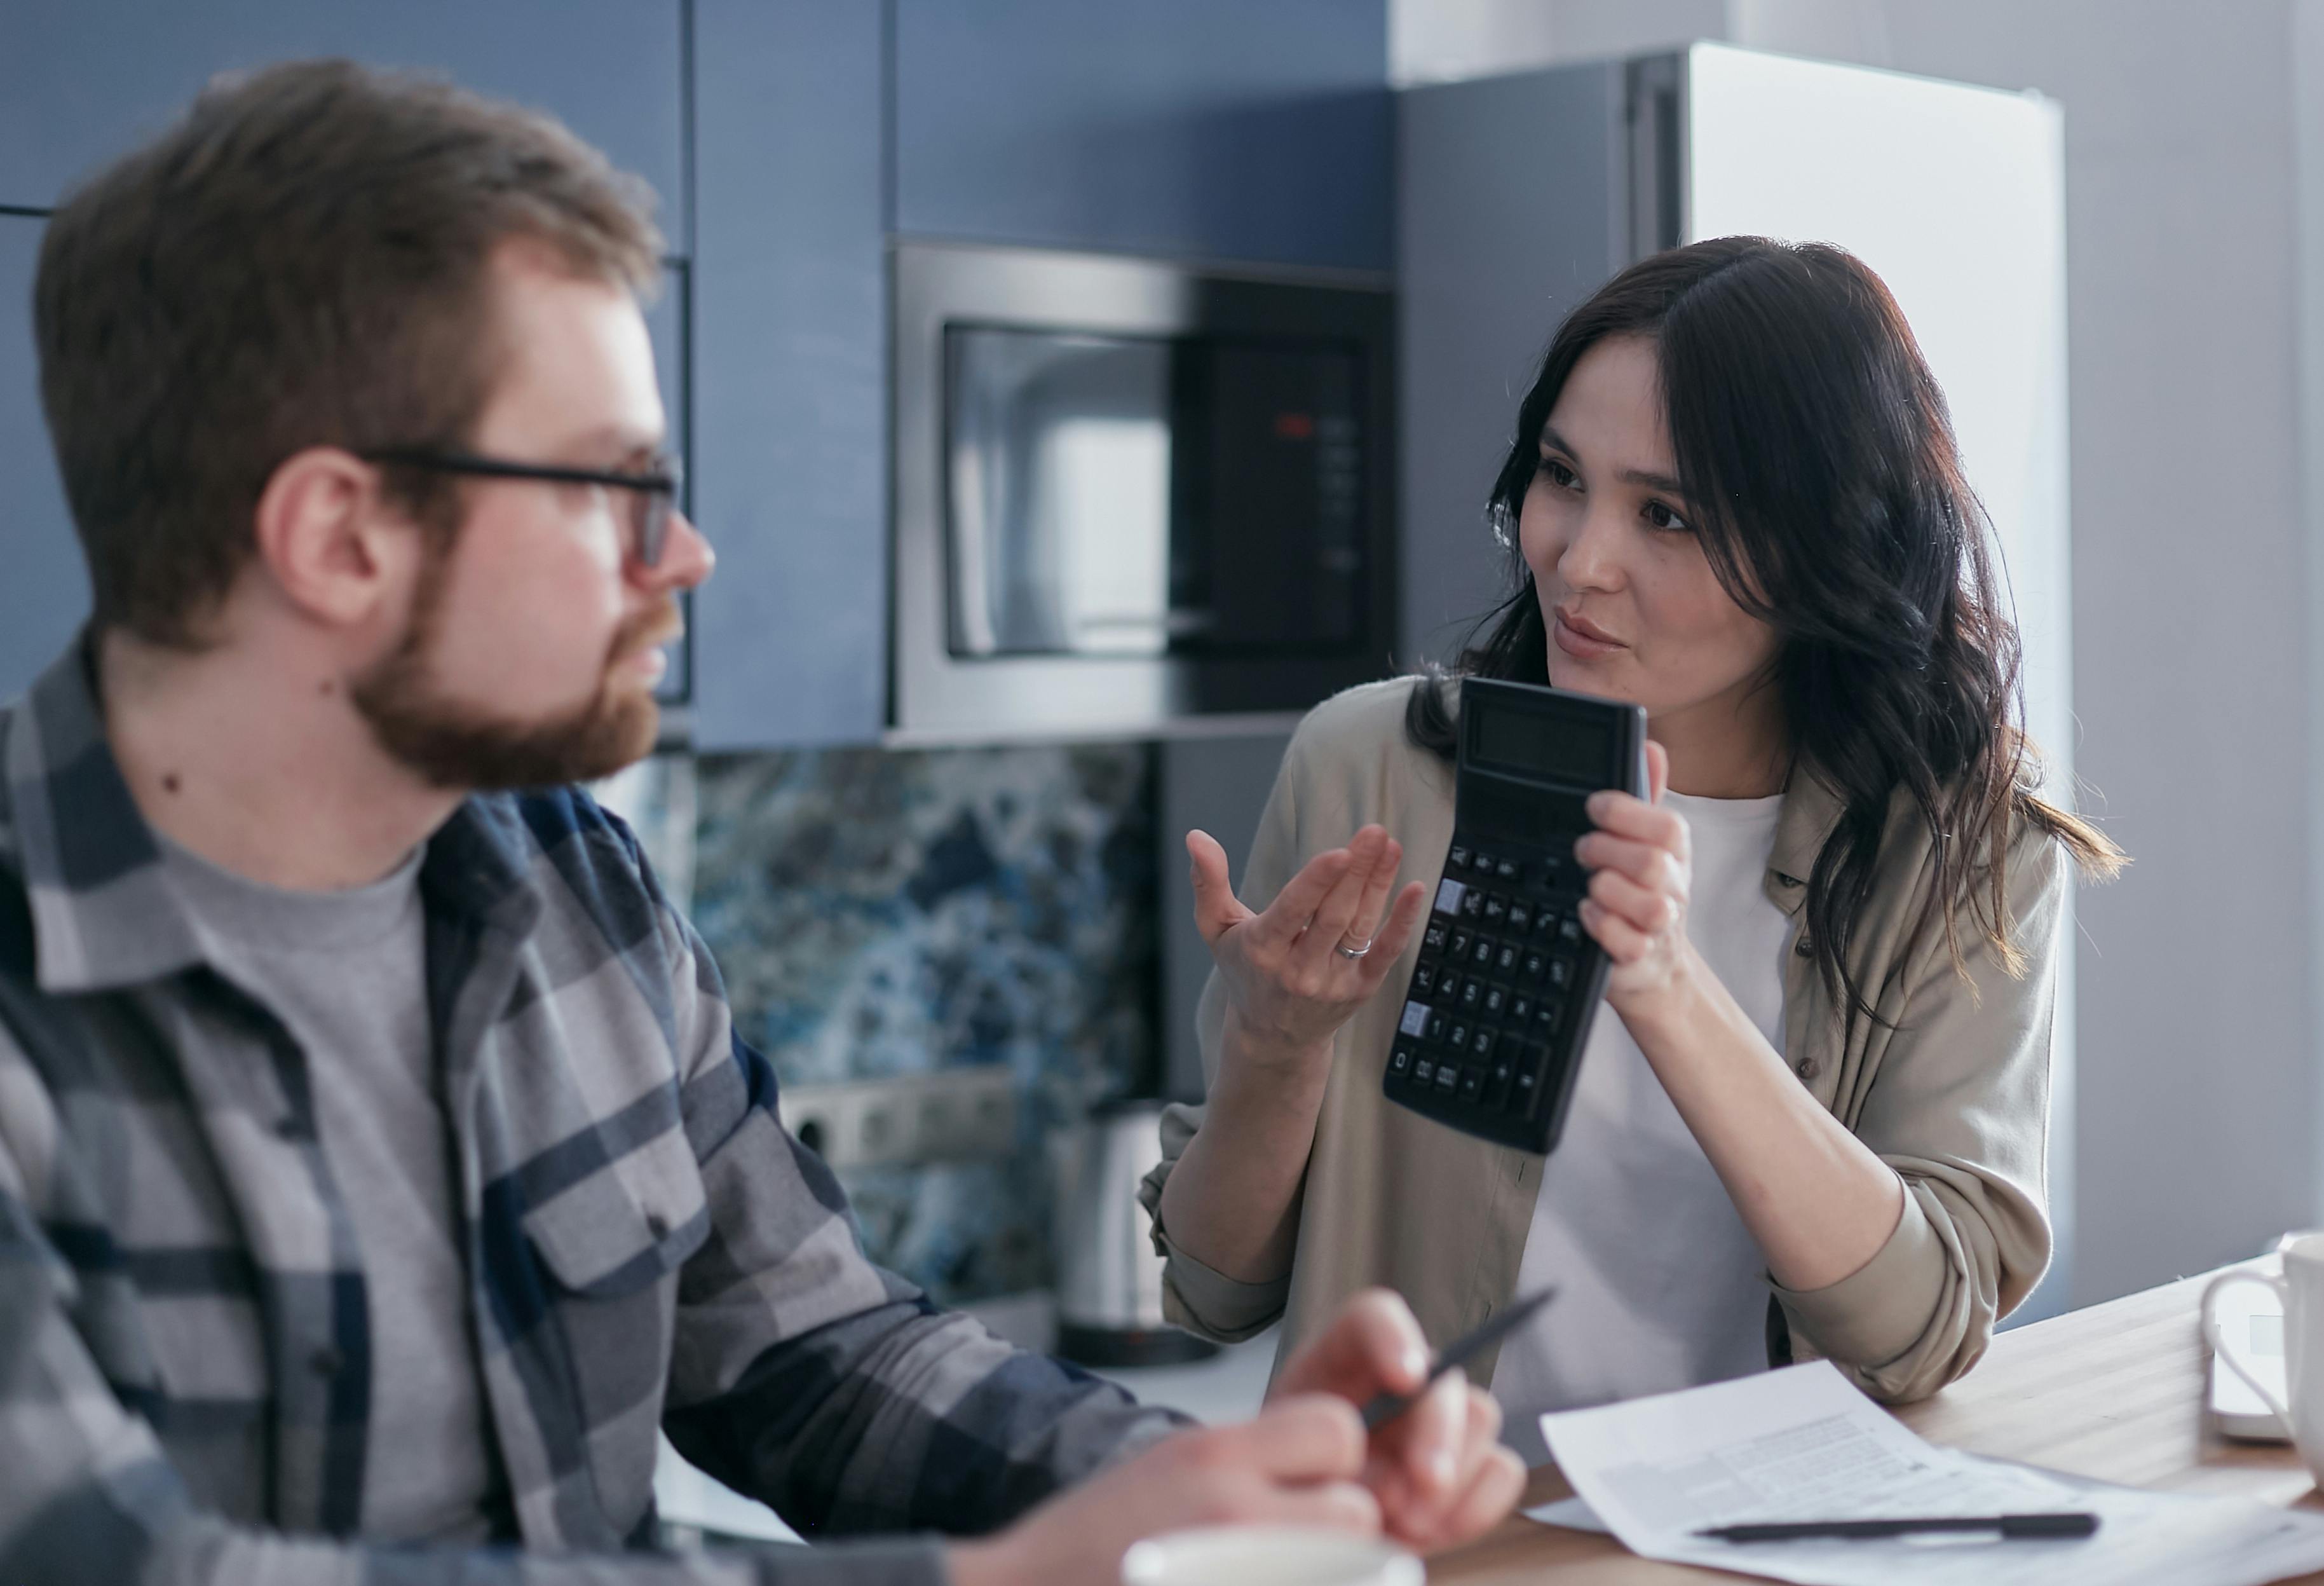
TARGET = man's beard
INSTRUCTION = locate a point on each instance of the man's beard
(456, 745)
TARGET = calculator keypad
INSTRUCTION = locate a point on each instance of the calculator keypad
(1495, 1010)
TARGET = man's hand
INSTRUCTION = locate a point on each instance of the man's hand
(1434, 1475)
(1438, 1469)
(1299, 1463)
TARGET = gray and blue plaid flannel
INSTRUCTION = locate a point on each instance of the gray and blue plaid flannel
(185, 1370)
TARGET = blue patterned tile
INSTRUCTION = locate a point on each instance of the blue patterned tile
(886, 912)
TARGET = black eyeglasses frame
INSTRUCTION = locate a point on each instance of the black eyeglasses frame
(656, 492)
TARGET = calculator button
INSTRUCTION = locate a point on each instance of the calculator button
(1447, 1076)
(1520, 1006)
(1546, 921)
(1496, 1088)
(1560, 974)
(1483, 863)
(1482, 953)
(1473, 1082)
(1497, 1001)
(1423, 1072)
(1507, 869)
(1497, 908)
(1569, 930)
(1424, 980)
(1520, 917)
(1435, 1027)
(1545, 1012)
(1523, 1087)
(1472, 900)
(1535, 964)
(1472, 994)
(1434, 940)
(1414, 1020)
(1399, 1062)
(1481, 1043)
(1458, 859)
(1450, 896)
(1459, 1034)
(1460, 940)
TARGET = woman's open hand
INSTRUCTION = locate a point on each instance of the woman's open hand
(1289, 976)
(1641, 861)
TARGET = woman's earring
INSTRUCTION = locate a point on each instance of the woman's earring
(1503, 523)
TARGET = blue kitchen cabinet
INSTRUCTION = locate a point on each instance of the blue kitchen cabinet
(789, 373)
(1205, 129)
(43, 584)
(82, 80)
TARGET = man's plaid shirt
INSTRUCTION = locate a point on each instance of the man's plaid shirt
(185, 1369)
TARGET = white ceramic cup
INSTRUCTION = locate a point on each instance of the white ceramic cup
(1267, 1555)
(2301, 1290)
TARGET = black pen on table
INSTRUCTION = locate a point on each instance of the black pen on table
(1385, 1407)
(2011, 1527)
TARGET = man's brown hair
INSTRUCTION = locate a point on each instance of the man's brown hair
(302, 260)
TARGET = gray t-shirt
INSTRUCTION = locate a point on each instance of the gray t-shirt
(346, 972)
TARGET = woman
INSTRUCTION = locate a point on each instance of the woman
(1821, 1074)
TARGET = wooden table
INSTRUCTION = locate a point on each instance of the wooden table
(2115, 1392)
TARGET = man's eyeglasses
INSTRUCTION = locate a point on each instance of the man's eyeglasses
(653, 495)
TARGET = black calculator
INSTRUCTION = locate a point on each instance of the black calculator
(1490, 1036)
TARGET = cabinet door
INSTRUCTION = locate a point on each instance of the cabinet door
(82, 80)
(1198, 128)
(790, 349)
(44, 583)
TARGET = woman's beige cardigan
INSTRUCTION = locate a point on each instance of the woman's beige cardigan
(1950, 1087)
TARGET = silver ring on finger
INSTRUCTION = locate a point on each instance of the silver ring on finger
(1357, 951)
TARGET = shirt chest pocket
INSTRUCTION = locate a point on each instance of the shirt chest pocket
(625, 1225)
(613, 1243)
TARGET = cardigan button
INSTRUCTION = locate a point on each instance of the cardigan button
(1809, 1067)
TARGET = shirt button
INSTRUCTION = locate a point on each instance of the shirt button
(1809, 1067)
(326, 1361)
(1803, 949)
(657, 1225)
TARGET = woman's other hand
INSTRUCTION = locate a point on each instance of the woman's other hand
(1641, 861)
(1289, 985)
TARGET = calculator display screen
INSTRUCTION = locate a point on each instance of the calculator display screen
(1560, 749)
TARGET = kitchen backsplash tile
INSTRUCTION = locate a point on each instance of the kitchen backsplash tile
(881, 913)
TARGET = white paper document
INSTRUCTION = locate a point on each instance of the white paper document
(1802, 1444)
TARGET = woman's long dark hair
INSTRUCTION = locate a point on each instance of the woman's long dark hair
(1819, 464)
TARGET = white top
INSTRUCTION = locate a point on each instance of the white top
(1659, 1285)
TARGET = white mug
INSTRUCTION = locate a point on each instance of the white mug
(2300, 1407)
(1267, 1555)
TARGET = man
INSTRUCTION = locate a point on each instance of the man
(379, 1168)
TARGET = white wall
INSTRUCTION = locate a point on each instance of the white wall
(2200, 693)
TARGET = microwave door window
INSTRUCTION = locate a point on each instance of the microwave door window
(1058, 491)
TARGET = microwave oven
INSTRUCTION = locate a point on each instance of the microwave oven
(1134, 498)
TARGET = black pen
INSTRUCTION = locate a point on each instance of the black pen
(2011, 1526)
(1385, 1407)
